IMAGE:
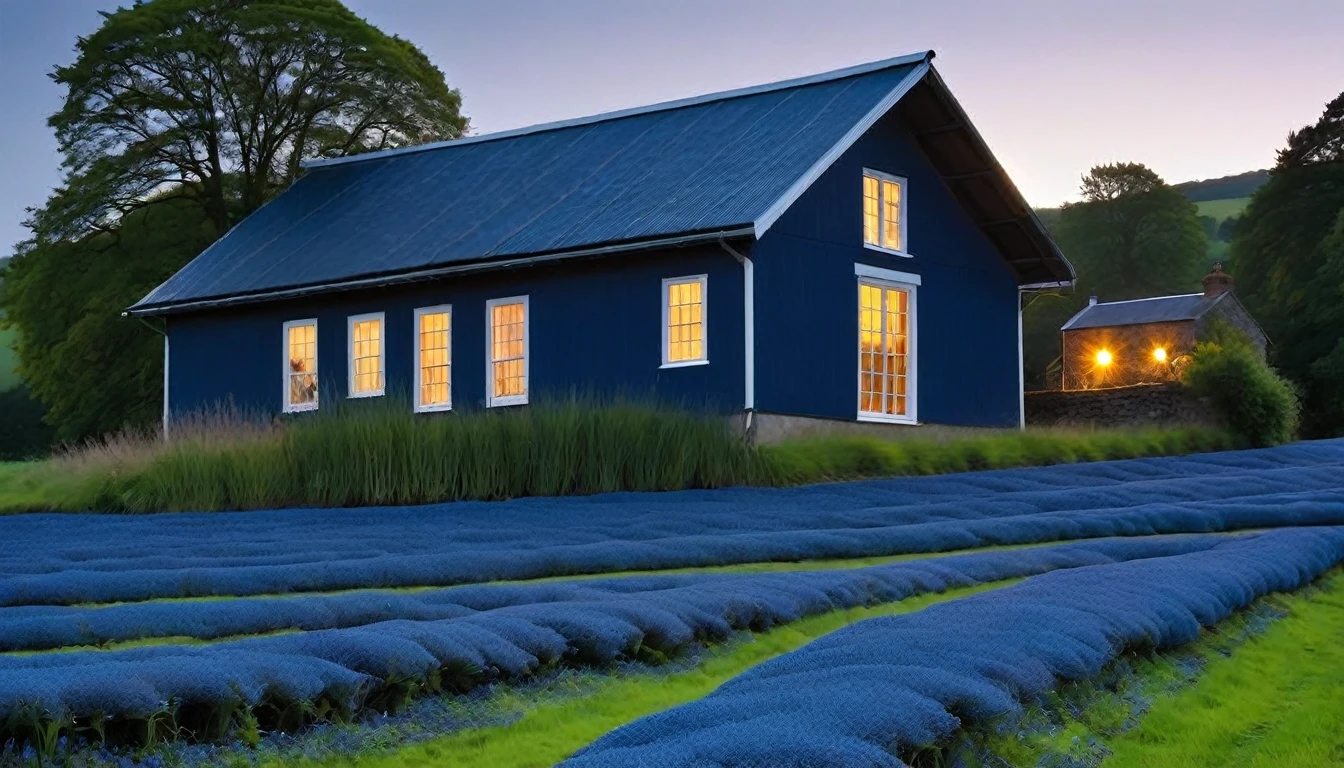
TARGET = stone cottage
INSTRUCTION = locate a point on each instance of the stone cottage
(1145, 341)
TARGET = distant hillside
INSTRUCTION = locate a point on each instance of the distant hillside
(1225, 188)
(1219, 199)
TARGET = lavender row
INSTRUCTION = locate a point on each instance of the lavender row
(510, 632)
(885, 687)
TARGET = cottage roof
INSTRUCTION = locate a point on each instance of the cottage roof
(1159, 309)
(717, 166)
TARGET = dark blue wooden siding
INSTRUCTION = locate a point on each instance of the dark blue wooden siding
(595, 329)
(807, 299)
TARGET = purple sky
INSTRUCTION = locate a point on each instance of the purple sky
(1193, 88)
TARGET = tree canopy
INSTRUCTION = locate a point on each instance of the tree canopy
(1116, 180)
(1133, 235)
(95, 371)
(1289, 254)
(227, 96)
(180, 118)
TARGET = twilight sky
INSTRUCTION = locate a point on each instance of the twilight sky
(1193, 88)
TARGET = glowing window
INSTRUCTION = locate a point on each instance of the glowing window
(300, 365)
(886, 351)
(434, 358)
(506, 321)
(366, 355)
(684, 321)
(884, 211)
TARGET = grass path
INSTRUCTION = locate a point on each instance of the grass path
(547, 732)
(1277, 701)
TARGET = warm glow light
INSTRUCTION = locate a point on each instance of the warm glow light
(1103, 357)
(1160, 355)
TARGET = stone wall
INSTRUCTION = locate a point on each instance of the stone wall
(1142, 404)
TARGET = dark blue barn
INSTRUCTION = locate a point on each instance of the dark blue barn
(842, 246)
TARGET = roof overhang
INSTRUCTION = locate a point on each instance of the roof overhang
(396, 278)
(961, 157)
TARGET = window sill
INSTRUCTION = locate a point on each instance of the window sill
(433, 408)
(500, 402)
(684, 364)
(881, 418)
(299, 408)
(890, 251)
(362, 395)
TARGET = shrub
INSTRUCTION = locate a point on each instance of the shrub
(1257, 404)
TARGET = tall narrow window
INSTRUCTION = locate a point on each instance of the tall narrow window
(684, 321)
(366, 355)
(506, 345)
(886, 351)
(884, 211)
(300, 365)
(434, 358)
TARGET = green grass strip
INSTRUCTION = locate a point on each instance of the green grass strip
(1277, 701)
(548, 732)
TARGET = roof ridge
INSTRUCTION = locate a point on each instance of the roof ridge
(797, 82)
(1147, 298)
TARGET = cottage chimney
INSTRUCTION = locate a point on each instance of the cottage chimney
(1091, 301)
(1217, 282)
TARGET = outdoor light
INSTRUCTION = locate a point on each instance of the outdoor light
(1160, 355)
(1103, 357)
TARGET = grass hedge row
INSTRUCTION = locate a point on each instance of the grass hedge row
(382, 454)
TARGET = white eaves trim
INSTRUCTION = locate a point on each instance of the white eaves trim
(772, 214)
(823, 77)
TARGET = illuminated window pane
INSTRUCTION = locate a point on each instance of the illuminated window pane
(366, 356)
(508, 350)
(435, 359)
(685, 313)
(883, 350)
(882, 225)
(301, 371)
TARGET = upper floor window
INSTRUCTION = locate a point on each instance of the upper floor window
(884, 211)
(300, 365)
(366, 355)
(684, 321)
(506, 345)
(434, 358)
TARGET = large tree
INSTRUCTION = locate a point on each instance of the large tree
(1130, 237)
(95, 371)
(181, 117)
(228, 96)
(1288, 250)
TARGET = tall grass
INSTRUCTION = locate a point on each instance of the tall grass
(380, 453)
(383, 454)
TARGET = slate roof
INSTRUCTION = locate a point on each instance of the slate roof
(722, 165)
(1159, 309)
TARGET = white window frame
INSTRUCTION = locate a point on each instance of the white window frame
(440, 309)
(285, 405)
(350, 353)
(490, 400)
(905, 281)
(904, 250)
(703, 280)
